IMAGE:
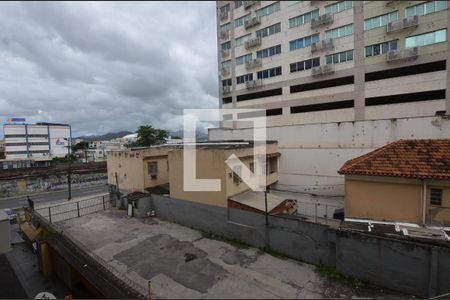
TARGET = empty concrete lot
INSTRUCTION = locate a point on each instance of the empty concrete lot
(182, 263)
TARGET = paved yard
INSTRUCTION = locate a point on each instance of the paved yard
(182, 263)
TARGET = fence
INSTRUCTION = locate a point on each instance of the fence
(74, 209)
(317, 212)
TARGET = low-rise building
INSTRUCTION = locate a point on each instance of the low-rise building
(405, 181)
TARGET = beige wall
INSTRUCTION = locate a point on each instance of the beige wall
(131, 168)
(211, 165)
(383, 201)
(394, 199)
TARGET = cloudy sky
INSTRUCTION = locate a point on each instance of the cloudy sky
(105, 67)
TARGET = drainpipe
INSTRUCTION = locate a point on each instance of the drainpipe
(424, 201)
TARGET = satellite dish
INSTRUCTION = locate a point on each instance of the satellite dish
(45, 295)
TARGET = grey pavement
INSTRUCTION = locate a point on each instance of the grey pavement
(182, 263)
(61, 195)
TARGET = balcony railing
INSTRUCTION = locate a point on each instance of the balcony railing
(402, 24)
(253, 84)
(253, 43)
(224, 35)
(226, 89)
(402, 55)
(225, 53)
(323, 70)
(249, 4)
(224, 15)
(225, 72)
(254, 63)
(322, 20)
(252, 22)
(323, 45)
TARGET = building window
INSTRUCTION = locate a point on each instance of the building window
(226, 46)
(426, 39)
(225, 27)
(268, 30)
(226, 82)
(426, 8)
(338, 7)
(252, 167)
(269, 51)
(303, 42)
(241, 40)
(152, 167)
(378, 49)
(238, 4)
(225, 9)
(340, 57)
(380, 21)
(303, 19)
(226, 64)
(269, 73)
(339, 32)
(305, 65)
(243, 59)
(244, 78)
(436, 197)
(270, 9)
(241, 21)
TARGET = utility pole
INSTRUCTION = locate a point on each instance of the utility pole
(69, 170)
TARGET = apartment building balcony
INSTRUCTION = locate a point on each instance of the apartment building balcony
(225, 53)
(324, 19)
(225, 72)
(253, 43)
(323, 70)
(402, 24)
(253, 64)
(253, 84)
(252, 22)
(323, 45)
(224, 16)
(224, 35)
(249, 4)
(226, 89)
(402, 55)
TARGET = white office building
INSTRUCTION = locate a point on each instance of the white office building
(40, 141)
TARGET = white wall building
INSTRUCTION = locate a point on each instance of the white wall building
(40, 141)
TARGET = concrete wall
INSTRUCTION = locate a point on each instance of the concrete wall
(383, 201)
(311, 154)
(419, 269)
(17, 187)
(5, 233)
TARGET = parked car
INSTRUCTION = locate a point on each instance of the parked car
(11, 215)
(339, 214)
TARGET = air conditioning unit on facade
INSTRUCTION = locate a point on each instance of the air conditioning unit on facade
(324, 45)
(226, 89)
(322, 20)
(323, 70)
(402, 24)
(254, 63)
(402, 55)
(225, 72)
(224, 16)
(252, 84)
(253, 43)
(224, 35)
(249, 4)
(252, 22)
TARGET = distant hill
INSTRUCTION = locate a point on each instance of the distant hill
(105, 137)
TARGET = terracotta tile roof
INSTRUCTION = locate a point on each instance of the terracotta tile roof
(422, 159)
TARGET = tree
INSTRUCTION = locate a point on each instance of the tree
(81, 145)
(149, 136)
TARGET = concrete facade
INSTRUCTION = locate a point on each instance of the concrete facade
(5, 232)
(394, 199)
(417, 76)
(311, 154)
(130, 168)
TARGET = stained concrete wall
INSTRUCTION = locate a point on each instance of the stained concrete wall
(311, 154)
(17, 187)
(415, 268)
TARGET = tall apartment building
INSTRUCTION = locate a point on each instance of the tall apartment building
(40, 141)
(332, 61)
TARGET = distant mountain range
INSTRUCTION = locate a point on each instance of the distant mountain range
(104, 137)
(201, 135)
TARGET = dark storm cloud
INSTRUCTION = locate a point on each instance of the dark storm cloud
(107, 66)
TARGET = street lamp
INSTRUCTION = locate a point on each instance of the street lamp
(69, 179)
